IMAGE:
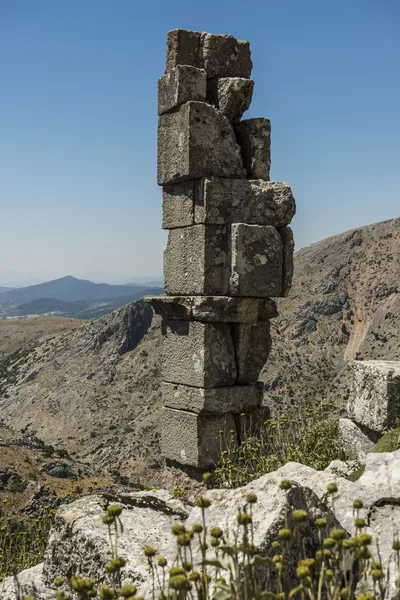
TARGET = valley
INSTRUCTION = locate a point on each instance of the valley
(70, 297)
(94, 391)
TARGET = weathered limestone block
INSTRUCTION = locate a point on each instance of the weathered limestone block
(218, 201)
(193, 439)
(178, 204)
(196, 261)
(375, 397)
(183, 48)
(254, 202)
(198, 354)
(29, 583)
(252, 344)
(256, 261)
(221, 400)
(268, 309)
(220, 55)
(221, 309)
(233, 310)
(225, 56)
(180, 85)
(254, 137)
(240, 260)
(355, 442)
(288, 262)
(194, 142)
(231, 95)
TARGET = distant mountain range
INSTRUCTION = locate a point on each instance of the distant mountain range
(70, 297)
(4, 289)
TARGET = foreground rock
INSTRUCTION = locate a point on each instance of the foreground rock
(356, 443)
(379, 489)
(375, 398)
(30, 582)
(79, 540)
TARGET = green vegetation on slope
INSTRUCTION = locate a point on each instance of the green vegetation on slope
(23, 542)
(389, 441)
(308, 436)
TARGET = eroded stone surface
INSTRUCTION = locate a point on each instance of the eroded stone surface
(235, 399)
(193, 439)
(256, 261)
(222, 309)
(268, 309)
(221, 55)
(374, 400)
(31, 582)
(252, 344)
(254, 137)
(225, 56)
(196, 141)
(254, 202)
(218, 201)
(378, 488)
(271, 513)
(196, 261)
(79, 540)
(178, 205)
(231, 95)
(355, 442)
(288, 263)
(180, 85)
(198, 354)
(183, 48)
(237, 260)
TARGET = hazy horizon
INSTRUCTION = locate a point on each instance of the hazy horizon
(22, 282)
(79, 115)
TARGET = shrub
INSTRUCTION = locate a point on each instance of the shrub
(17, 484)
(23, 542)
(388, 442)
(308, 436)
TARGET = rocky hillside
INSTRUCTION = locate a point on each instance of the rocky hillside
(95, 391)
(92, 391)
(16, 333)
(344, 304)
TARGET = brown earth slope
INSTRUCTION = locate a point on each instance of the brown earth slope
(95, 391)
(19, 333)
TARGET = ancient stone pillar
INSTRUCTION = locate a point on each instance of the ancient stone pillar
(229, 248)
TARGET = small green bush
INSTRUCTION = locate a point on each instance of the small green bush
(388, 442)
(309, 436)
(23, 542)
(18, 485)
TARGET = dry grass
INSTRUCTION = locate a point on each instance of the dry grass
(28, 464)
(18, 333)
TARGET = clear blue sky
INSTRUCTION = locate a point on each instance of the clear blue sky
(78, 122)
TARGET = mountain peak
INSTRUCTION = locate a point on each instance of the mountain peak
(68, 279)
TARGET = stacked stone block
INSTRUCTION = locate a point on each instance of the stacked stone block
(373, 406)
(229, 249)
